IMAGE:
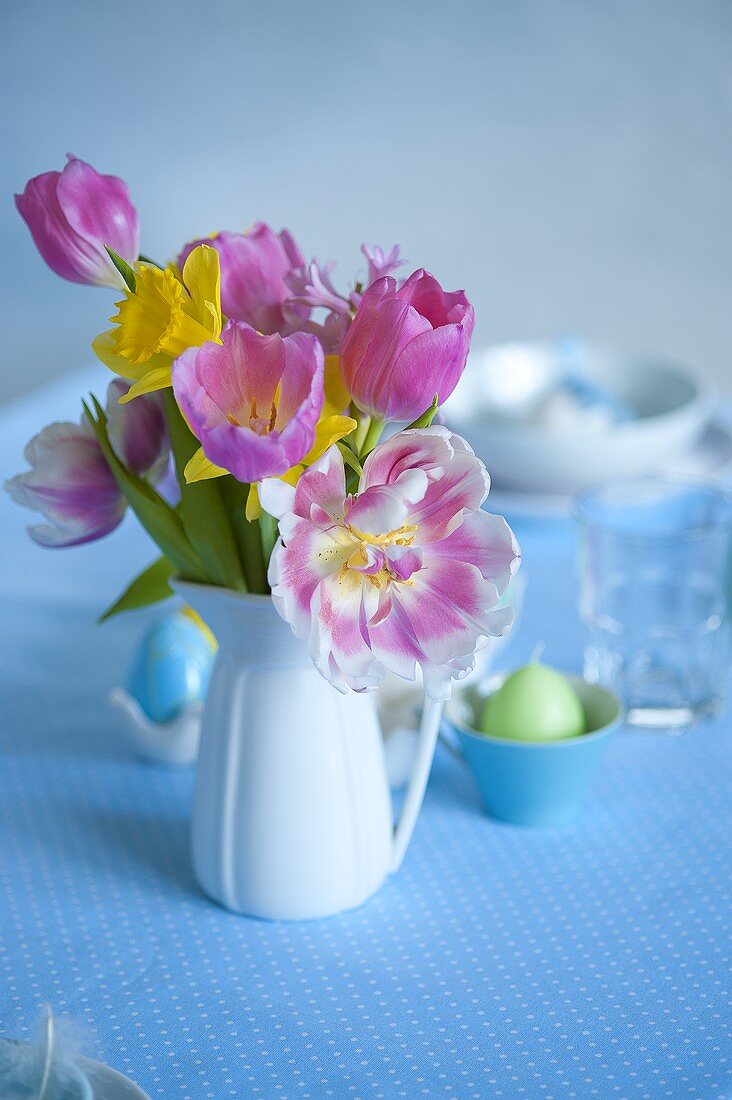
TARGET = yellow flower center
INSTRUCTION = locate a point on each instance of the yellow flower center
(259, 424)
(400, 537)
(358, 558)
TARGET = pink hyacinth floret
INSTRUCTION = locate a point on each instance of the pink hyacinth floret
(381, 263)
(311, 285)
(405, 574)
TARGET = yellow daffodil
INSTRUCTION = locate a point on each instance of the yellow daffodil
(164, 315)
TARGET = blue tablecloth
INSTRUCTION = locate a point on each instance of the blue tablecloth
(591, 961)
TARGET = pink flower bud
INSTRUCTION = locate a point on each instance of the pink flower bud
(73, 214)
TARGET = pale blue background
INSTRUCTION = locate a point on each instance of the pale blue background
(568, 162)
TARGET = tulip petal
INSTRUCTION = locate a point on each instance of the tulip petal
(99, 208)
(341, 605)
(485, 541)
(459, 481)
(138, 433)
(65, 252)
(322, 489)
(445, 349)
(277, 497)
(73, 214)
(312, 555)
(406, 345)
(448, 604)
(71, 484)
(440, 307)
(301, 394)
(382, 508)
(370, 350)
(241, 376)
(253, 401)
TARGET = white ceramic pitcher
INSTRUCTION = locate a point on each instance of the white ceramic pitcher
(292, 816)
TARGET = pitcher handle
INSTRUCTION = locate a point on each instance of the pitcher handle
(426, 742)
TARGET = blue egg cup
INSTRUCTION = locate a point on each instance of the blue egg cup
(534, 783)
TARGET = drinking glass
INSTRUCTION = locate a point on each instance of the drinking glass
(655, 577)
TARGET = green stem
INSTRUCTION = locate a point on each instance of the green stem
(350, 459)
(205, 519)
(373, 435)
(359, 434)
(247, 534)
(270, 533)
(251, 543)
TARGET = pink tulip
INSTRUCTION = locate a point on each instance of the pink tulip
(70, 483)
(138, 431)
(408, 573)
(253, 401)
(254, 270)
(73, 214)
(406, 345)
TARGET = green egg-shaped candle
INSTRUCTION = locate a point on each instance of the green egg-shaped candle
(533, 704)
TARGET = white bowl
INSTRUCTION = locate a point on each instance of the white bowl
(673, 404)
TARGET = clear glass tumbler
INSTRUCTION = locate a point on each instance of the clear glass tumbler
(655, 579)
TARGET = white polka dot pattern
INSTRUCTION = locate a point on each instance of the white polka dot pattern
(586, 962)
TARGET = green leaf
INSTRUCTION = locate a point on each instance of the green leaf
(374, 429)
(270, 534)
(247, 534)
(202, 510)
(156, 516)
(427, 416)
(148, 587)
(349, 457)
(123, 267)
(146, 260)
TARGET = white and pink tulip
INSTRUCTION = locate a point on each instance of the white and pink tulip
(407, 573)
(70, 482)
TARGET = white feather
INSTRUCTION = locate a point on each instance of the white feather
(45, 1069)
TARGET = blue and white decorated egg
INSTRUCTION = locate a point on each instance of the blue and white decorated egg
(172, 666)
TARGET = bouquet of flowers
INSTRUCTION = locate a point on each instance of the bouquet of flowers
(243, 427)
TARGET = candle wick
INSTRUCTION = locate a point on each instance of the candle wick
(537, 654)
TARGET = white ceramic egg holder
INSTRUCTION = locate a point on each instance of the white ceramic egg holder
(174, 743)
